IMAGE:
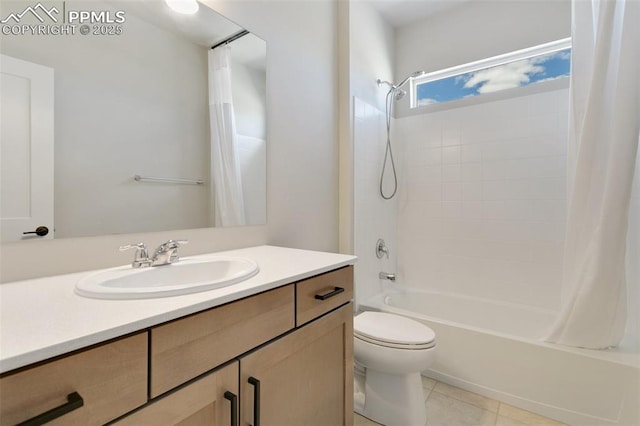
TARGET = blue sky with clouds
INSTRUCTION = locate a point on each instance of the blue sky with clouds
(514, 74)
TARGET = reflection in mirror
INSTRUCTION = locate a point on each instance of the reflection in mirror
(145, 97)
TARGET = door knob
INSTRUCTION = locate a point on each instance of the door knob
(40, 231)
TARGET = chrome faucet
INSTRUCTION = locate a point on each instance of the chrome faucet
(387, 276)
(165, 254)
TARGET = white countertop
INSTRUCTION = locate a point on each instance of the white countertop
(43, 318)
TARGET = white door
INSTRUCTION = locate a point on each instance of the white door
(26, 150)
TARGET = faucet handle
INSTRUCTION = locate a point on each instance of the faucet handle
(381, 249)
(141, 258)
(140, 246)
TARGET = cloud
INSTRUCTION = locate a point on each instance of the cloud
(427, 101)
(506, 76)
(557, 77)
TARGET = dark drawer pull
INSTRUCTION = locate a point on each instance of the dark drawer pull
(40, 231)
(234, 407)
(74, 401)
(336, 290)
(256, 400)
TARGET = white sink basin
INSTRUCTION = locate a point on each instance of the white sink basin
(183, 277)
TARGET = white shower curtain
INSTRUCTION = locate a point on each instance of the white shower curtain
(604, 137)
(227, 205)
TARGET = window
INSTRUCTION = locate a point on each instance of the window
(525, 67)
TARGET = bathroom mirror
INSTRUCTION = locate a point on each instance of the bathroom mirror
(136, 145)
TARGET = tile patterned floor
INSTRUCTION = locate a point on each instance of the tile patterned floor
(451, 406)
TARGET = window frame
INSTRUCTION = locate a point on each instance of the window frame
(530, 52)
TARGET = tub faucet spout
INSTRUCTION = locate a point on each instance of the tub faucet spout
(387, 276)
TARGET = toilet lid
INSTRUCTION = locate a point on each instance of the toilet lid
(393, 331)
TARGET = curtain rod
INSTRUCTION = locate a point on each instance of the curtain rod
(232, 38)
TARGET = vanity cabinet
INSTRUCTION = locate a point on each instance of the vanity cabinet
(90, 387)
(210, 400)
(281, 357)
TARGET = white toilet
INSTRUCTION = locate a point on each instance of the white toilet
(390, 351)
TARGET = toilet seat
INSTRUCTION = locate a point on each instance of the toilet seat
(392, 331)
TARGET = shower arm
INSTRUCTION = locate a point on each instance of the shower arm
(397, 86)
(381, 82)
(403, 82)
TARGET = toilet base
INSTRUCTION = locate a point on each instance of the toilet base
(391, 399)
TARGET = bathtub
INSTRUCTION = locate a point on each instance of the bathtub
(495, 349)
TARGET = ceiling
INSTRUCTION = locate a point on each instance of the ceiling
(399, 13)
(205, 28)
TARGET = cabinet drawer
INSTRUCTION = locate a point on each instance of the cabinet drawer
(320, 294)
(111, 379)
(183, 349)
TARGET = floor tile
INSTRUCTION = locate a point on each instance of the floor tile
(359, 420)
(451, 406)
(443, 410)
(427, 385)
(468, 397)
(525, 417)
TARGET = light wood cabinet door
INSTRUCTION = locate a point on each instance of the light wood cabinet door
(210, 400)
(303, 378)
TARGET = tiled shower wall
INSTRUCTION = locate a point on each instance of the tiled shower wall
(482, 199)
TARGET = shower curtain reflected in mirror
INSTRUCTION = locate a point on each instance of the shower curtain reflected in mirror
(227, 205)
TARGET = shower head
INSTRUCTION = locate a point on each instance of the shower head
(398, 93)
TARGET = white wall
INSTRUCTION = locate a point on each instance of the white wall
(302, 157)
(371, 57)
(302, 168)
(372, 53)
(250, 109)
(482, 205)
(476, 30)
(248, 87)
(252, 155)
(124, 107)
